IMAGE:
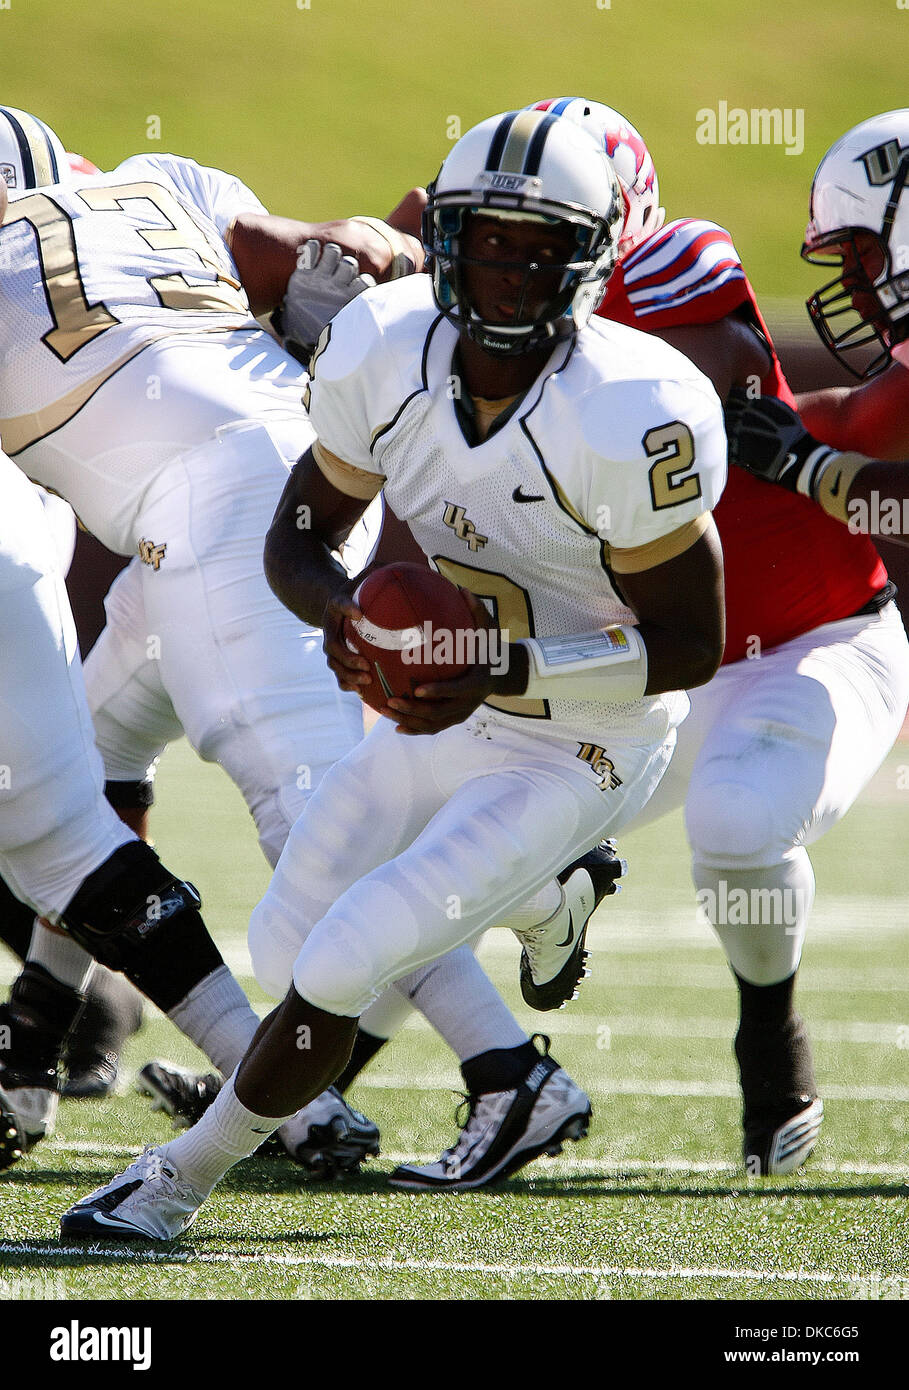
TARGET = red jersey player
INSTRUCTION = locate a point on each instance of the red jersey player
(859, 224)
(815, 678)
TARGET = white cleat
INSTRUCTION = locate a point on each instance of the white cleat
(552, 968)
(504, 1130)
(149, 1200)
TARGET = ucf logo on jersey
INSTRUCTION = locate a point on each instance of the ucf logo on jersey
(455, 518)
(151, 554)
(603, 767)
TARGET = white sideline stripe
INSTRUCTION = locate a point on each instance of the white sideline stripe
(393, 1266)
(633, 1086)
(597, 1165)
(573, 1023)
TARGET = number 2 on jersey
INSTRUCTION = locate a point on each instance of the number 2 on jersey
(512, 613)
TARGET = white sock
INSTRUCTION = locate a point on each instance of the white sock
(761, 931)
(389, 1012)
(457, 997)
(226, 1133)
(536, 910)
(217, 1016)
(61, 957)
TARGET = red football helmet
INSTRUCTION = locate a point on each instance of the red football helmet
(630, 158)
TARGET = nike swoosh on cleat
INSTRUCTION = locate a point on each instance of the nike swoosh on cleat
(570, 937)
(520, 496)
(99, 1219)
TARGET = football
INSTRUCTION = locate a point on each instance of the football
(416, 627)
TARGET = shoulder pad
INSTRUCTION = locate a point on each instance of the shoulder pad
(688, 272)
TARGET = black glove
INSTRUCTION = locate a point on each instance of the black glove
(768, 439)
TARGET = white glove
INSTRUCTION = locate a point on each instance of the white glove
(323, 282)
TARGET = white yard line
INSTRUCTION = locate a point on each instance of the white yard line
(606, 1166)
(571, 1023)
(388, 1264)
(631, 1086)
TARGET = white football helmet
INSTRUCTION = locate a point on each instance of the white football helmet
(859, 221)
(533, 166)
(31, 156)
(631, 160)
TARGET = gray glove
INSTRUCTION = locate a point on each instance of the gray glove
(323, 282)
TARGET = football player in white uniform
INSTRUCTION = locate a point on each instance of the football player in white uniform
(816, 670)
(137, 383)
(534, 455)
(62, 847)
(31, 154)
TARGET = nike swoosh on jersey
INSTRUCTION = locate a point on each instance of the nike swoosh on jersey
(519, 496)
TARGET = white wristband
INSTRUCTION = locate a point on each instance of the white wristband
(609, 665)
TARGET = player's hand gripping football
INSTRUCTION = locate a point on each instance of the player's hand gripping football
(351, 670)
(768, 439)
(439, 705)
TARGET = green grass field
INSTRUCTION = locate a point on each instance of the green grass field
(651, 1206)
(332, 107)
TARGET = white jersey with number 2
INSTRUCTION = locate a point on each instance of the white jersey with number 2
(609, 464)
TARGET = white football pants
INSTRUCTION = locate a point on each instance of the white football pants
(55, 825)
(411, 845)
(196, 641)
(774, 752)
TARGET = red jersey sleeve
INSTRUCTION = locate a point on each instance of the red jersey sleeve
(689, 272)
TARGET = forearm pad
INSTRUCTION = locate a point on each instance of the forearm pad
(609, 665)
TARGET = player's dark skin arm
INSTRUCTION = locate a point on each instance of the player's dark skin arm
(729, 352)
(265, 247)
(312, 519)
(872, 418)
(681, 615)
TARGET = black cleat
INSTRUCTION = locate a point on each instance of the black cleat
(92, 1079)
(782, 1113)
(112, 1013)
(13, 1143)
(182, 1094)
(327, 1137)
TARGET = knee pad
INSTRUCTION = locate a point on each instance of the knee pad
(132, 915)
(731, 825)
